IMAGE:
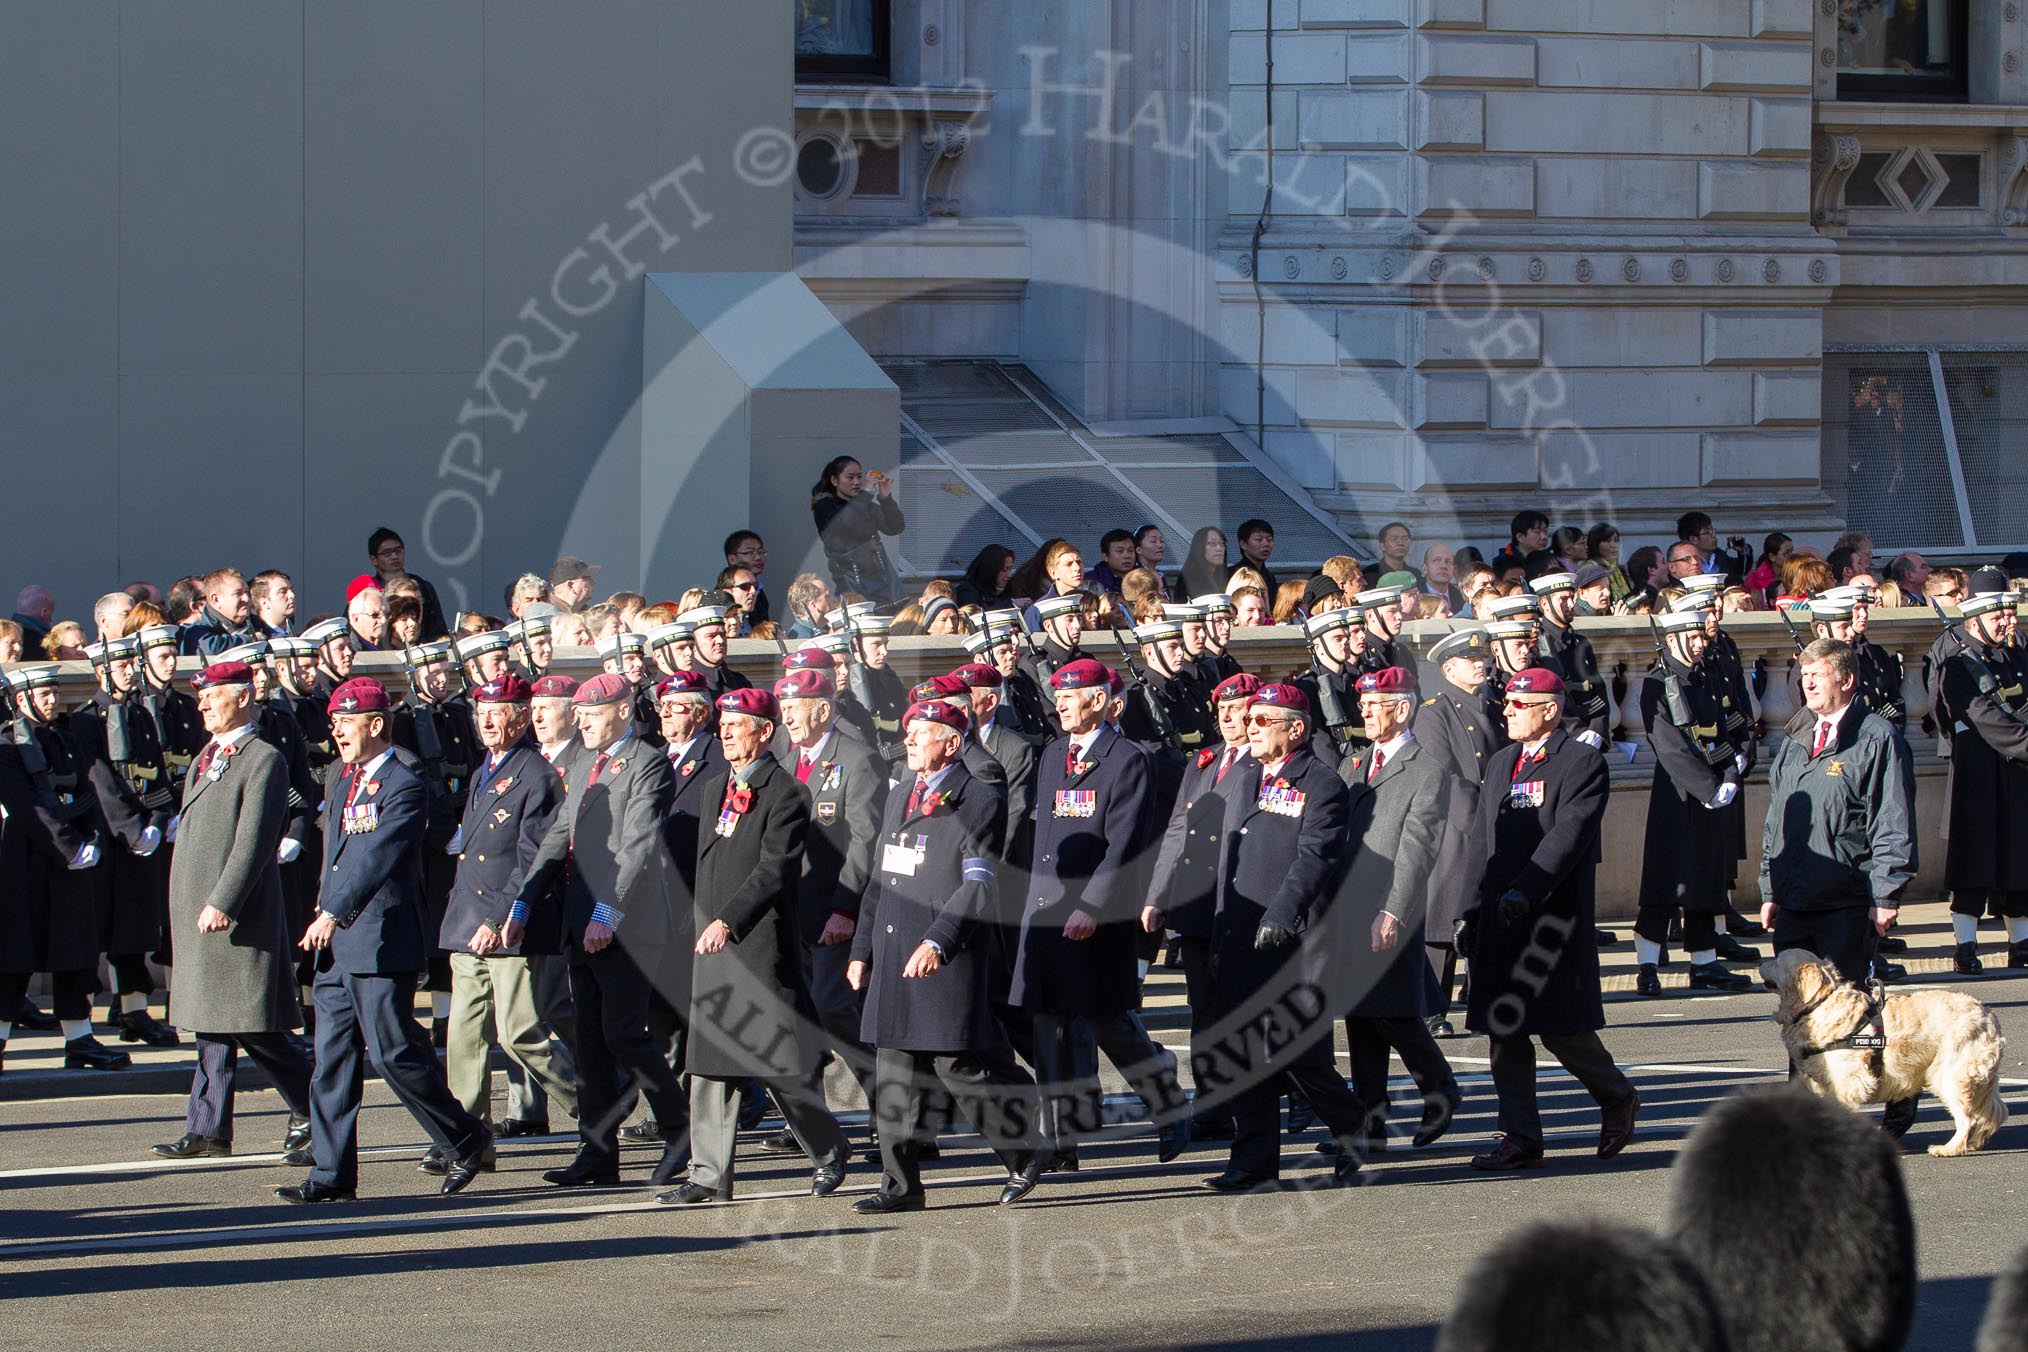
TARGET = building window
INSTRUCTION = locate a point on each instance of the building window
(843, 39)
(1902, 50)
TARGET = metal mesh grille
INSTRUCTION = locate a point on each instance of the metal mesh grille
(913, 452)
(1125, 451)
(980, 416)
(942, 380)
(1016, 448)
(1225, 496)
(948, 524)
(1884, 454)
(1989, 411)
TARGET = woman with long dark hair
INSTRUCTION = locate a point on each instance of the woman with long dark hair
(1765, 579)
(1204, 568)
(850, 522)
(1602, 544)
(985, 581)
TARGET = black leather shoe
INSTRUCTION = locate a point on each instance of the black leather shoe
(584, 1173)
(299, 1159)
(308, 1194)
(2017, 954)
(1965, 960)
(783, 1142)
(1731, 950)
(30, 1019)
(753, 1110)
(1891, 943)
(692, 1194)
(1885, 972)
(928, 1150)
(674, 1162)
(1172, 1139)
(1739, 927)
(1616, 1127)
(88, 1053)
(1606, 938)
(1301, 1115)
(460, 1172)
(887, 1203)
(440, 1031)
(1646, 982)
(1436, 1119)
(824, 1180)
(433, 1164)
(1711, 976)
(143, 1027)
(1062, 1160)
(194, 1147)
(647, 1130)
(1439, 1026)
(1239, 1180)
(1508, 1156)
(1345, 1168)
(298, 1137)
(511, 1128)
(1019, 1184)
(1212, 1129)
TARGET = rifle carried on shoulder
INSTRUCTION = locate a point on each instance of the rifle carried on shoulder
(1151, 703)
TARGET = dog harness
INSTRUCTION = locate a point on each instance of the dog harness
(1868, 1035)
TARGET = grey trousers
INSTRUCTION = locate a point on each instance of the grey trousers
(494, 999)
(714, 1125)
(1582, 1054)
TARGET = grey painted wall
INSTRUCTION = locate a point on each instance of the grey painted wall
(255, 254)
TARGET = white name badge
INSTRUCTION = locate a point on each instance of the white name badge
(899, 860)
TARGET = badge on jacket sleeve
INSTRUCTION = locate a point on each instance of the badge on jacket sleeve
(1076, 803)
(827, 812)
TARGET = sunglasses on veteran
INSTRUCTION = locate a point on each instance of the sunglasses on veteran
(1267, 720)
(1525, 703)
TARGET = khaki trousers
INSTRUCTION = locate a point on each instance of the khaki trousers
(494, 999)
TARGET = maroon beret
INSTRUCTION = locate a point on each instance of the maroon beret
(979, 676)
(1115, 682)
(1535, 681)
(940, 687)
(222, 673)
(753, 702)
(809, 659)
(509, 689)
(681, 682)
(936, 711)
(806, 685)
(1387, 681)
(1243, 686)
(1084, 674)
(360, 695)
(1282, 695)
(554, 687)
(607, 688)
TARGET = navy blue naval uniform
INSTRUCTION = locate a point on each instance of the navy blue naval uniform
(365, 985)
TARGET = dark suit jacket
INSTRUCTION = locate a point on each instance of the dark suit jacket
(750, 1007)
(847, 790)
(372, 880)
(610, 835)
(506, 820)
(1184, 884)
(1087, 829)
(1396, 825)
(1456, 728)
(1021, 759)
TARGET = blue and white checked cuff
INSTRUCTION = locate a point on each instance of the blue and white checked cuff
(603, 914)
(979, 870)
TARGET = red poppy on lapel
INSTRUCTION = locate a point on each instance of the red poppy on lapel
(931, 802)
(1205, 757)
(740, 799)
(689, 768)
(372, 787)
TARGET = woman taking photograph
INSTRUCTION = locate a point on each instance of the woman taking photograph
(985, 583)
(850, 521)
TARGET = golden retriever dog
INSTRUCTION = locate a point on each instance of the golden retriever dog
(1942, 1041)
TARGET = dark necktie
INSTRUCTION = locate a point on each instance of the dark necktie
(597, 766)
(1527, 759)
(204, 761)
(804, 763)
(1373, 770)
(915, 796)
(1070, 761)
(1225, 763)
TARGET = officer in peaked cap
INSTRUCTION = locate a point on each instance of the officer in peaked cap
(1460, 726)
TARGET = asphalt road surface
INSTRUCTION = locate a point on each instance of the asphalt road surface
(102, 1246)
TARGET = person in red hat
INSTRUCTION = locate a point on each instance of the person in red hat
(515, 797)
(371, 939)
(923, 958)
(1183, 888)
(1530, 935)
(953, 691)
(605, 867)
(551, 721)
(1076, 963)
(751, 1015)
(1281, 855)
(847, 785)
(1400, 802)
(235, 986)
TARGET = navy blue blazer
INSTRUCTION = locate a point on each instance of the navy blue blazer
(372, 880)
(506, 817)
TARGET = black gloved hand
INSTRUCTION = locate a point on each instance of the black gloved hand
(1465, 934)
(1271, 935)
(1515, 906)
